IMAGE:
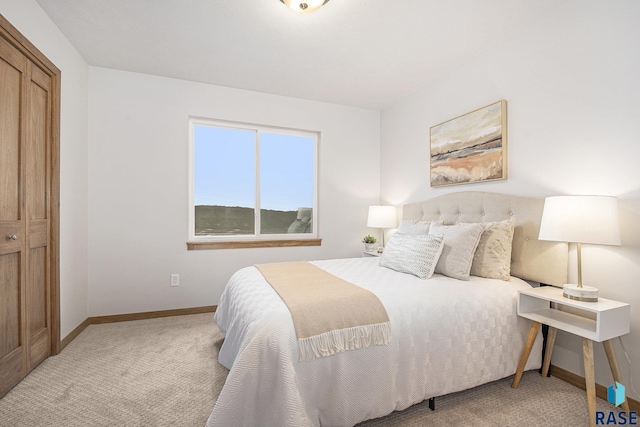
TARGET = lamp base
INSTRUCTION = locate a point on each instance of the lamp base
(584, 293)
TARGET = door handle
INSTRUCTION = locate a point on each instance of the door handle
(12, 237)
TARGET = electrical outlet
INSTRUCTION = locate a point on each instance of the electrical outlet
(175, 280)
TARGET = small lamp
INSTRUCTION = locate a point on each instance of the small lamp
(382, 217)
(581, 219)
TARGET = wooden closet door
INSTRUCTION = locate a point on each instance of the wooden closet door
(12, 224)
(37, 190)
(25, 209)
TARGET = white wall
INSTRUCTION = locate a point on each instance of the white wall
(138, 181)
(35, 25)
(573, 93)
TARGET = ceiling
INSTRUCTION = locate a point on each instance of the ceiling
(363, 53)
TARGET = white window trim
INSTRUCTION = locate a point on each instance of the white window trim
(192, 238)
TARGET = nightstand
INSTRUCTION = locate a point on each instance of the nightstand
(372, 253)
(600, 321)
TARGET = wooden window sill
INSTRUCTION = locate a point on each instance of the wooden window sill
(239, 244)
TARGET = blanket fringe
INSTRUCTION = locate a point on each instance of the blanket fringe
(341, 340)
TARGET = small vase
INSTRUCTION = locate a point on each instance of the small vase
(369, 247)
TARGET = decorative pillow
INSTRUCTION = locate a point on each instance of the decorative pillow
(460, 242)
(493, 254)
(408, 226)
(413, 254)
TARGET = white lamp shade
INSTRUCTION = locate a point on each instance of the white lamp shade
(581, 219)
(382, 217)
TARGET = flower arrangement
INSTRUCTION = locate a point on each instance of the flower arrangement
(369, 239)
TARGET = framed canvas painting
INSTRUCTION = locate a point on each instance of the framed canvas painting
(470, 148)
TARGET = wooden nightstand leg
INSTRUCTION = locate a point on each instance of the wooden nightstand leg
(531, 339)
(615, 371)
(590, 379)
(551, 339)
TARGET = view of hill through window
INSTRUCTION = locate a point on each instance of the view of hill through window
(237, 171)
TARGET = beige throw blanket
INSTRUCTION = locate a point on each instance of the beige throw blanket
(330, 315)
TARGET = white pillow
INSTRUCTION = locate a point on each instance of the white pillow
(460, 242)
(408, 226)
(413, 254)
(493, 254)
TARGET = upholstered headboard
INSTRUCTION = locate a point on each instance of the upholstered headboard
(531, 259)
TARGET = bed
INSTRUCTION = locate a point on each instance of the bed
(447, 334)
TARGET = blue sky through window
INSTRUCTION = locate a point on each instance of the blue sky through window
(225, 164)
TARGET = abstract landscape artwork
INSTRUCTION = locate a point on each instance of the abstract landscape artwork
(470, 148)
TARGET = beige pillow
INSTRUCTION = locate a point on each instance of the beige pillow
(460, 242)
(493, 254)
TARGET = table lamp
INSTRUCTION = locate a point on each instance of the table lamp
(581, 219)
(382, 217)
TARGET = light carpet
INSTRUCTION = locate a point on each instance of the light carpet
(164, 372)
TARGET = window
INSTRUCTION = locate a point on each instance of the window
(251, 184)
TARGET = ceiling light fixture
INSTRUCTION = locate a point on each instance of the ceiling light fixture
(304, 6)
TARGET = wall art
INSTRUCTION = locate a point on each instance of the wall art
(471, 147)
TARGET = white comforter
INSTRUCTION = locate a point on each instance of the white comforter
(447, 335)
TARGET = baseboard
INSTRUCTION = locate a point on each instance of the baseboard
(580, 382)
(152, 314)
(133, 316)
(73, 334)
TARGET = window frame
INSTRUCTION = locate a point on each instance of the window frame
(257, 239)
